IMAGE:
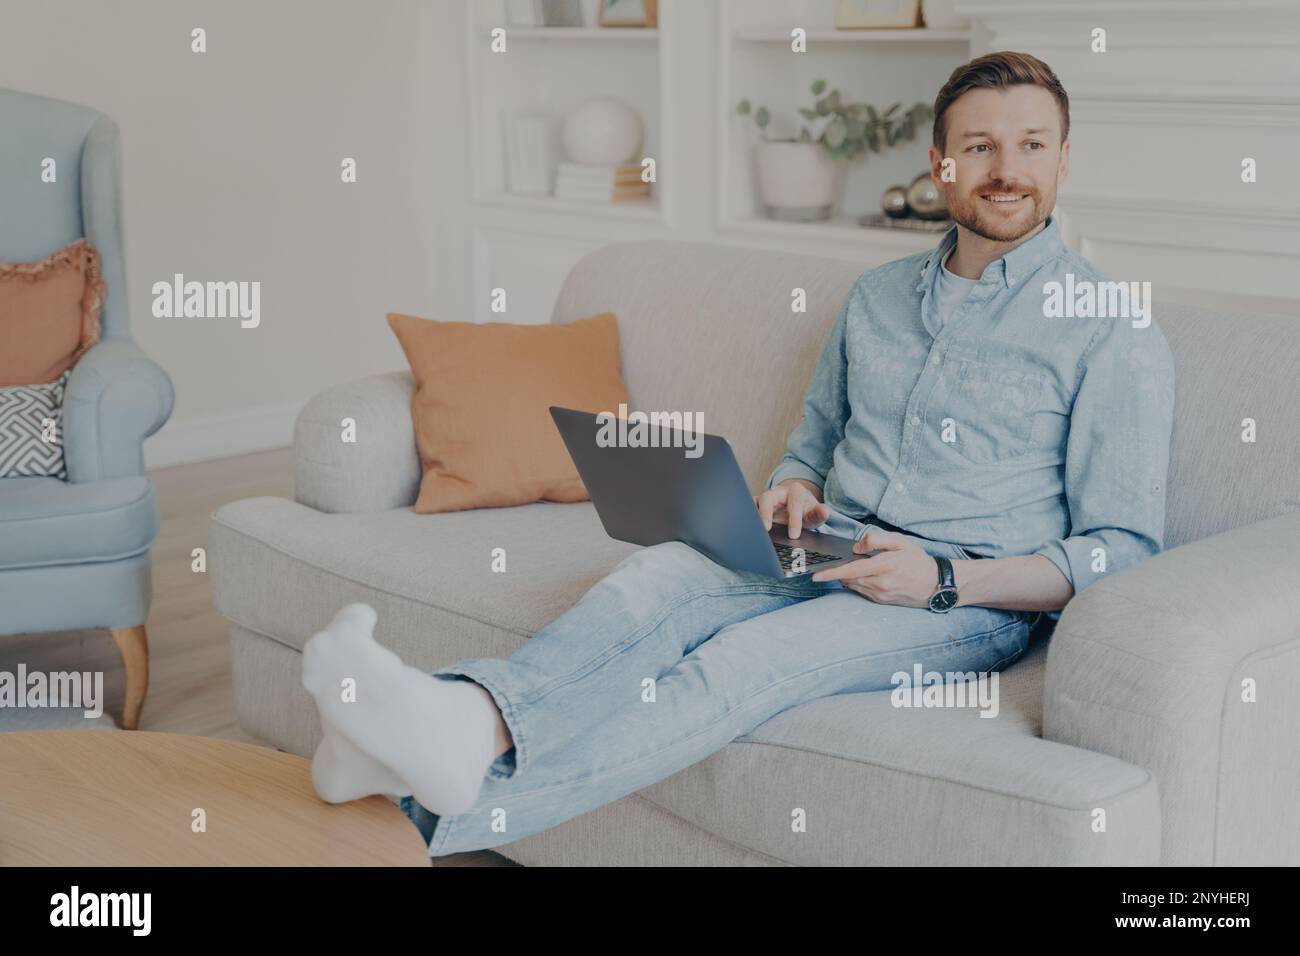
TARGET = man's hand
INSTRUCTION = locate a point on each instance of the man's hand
(794, 503)
(902, 573)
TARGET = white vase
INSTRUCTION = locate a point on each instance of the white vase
(532, 152)
(797, 181)
(603, 131)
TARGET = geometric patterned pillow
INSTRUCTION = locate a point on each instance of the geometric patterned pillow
(31, 430)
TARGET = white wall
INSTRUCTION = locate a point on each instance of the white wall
(231, 169)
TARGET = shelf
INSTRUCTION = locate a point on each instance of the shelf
(646, 210)
(599, 34)
(858, 36)
(834, 230)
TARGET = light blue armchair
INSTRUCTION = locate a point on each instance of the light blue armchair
(75, 554)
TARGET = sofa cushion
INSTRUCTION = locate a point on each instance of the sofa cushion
(282, 569)
(45, 521)
(482, 394)
(939, 785)
(879, 786)
(947, 784)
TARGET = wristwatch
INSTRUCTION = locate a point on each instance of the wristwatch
(945, 598)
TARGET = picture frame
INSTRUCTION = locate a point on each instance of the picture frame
(629, 13)
(877, 14)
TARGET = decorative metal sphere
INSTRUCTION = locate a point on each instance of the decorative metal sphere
(925, 199)
(894, 202)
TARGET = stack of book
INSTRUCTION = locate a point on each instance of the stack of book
(600, 183)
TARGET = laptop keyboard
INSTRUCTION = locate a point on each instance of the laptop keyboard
(786, 555)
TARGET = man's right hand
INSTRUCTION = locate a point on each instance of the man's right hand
(795, 503)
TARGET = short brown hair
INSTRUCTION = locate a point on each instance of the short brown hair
(997, 71)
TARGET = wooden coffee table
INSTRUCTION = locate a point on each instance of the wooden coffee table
(127, 798)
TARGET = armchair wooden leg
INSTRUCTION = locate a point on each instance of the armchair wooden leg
(134, 648)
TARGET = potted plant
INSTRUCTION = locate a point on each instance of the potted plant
(798, 176)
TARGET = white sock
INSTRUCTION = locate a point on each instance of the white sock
(341, 772)
(436, 737)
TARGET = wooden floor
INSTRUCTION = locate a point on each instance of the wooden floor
(190, 689)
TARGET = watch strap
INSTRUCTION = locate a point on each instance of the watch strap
(946, 577)
(944, 598)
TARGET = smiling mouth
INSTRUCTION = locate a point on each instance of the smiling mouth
(1003, 199)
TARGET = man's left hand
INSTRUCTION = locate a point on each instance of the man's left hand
(902, 573)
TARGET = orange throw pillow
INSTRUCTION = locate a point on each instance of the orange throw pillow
(49, 314)
(485, 436)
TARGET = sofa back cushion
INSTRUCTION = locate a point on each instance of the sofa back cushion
(1235, 372)
(709, 328)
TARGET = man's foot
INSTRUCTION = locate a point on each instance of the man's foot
(434, 737)
(342, 773)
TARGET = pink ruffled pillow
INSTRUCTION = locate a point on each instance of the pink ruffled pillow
(49, 314)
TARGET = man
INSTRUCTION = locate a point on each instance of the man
(1024, 455)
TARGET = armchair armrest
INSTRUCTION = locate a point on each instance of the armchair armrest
(1156, 666)
(380, 470)
(116, 398)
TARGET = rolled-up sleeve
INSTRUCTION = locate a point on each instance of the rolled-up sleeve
(1117, 454)
(811, 448)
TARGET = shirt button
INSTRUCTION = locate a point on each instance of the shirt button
(900, 487)
(1010, 281)
(934, 359)
(916, 419)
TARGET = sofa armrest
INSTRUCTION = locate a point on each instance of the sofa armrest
(1156, 666)
(115, 399)
(378, 471)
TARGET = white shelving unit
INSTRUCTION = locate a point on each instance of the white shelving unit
(884, 66)
(537, 72)
(705, 188)
(1167, 85)
(643, 210)
(595, 34)
(528, 242)
(838, 231)
(857, 36)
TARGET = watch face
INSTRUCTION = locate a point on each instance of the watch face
(943, 600)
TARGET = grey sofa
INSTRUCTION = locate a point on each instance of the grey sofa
(1124, 739)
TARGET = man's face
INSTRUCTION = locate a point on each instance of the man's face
(1009, 160)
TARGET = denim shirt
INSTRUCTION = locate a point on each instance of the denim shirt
(1004, 432)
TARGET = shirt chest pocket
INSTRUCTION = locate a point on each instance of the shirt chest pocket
(992, 408)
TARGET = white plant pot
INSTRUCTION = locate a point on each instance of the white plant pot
(797, 181)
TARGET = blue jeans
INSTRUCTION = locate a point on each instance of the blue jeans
(671, 657)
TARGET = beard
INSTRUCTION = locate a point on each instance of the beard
(1000, 222)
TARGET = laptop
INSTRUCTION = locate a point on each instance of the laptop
(648, 495)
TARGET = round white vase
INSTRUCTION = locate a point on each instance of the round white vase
(602, 131)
